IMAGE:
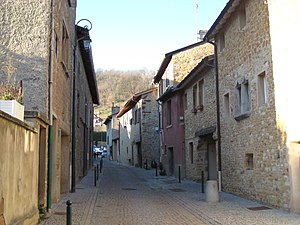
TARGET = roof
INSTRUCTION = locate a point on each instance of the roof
(205, 62)
(168, 57)
(222, 19)
(88, 64)
(133, 100)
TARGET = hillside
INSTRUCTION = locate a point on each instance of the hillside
(117, 87)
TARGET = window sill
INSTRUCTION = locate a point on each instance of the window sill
(242, 116)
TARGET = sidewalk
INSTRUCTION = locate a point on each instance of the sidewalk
(187, 194)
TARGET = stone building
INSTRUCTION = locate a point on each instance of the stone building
(197, 91)
(86, 92)
(258, 94)
(139, 144)
(174, 68)
(37, 45)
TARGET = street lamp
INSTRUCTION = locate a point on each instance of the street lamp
(86, 44)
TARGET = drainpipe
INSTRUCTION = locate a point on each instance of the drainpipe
(74, 116)
(218, 113)
(50, 130)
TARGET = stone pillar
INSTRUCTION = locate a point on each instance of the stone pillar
(212, 193)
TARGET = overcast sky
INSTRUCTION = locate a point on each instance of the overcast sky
(136, 34)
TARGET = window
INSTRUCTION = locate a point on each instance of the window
(167, 82)
(65, 47)
(226, 105)
(191, 151)
(194, 97)
(261, 89)
(243, 102)
(249, 161)
(242, 17)
(201, 94)
(169, 113)
(221, 41)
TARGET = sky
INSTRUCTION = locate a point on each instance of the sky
(136, 34)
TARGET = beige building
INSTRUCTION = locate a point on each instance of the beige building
(258, 94)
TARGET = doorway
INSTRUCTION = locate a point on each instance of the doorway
(171, 160)
(212, 161)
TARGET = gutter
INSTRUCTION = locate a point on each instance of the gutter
(218, 113)
(50, 130)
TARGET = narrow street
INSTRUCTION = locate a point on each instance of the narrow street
(132, 196)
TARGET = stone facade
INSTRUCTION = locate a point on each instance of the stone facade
(138, 130)
(149, 133)
(256, 116)
(37, 47)
(200, 123)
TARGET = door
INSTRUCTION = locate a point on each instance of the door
(171, 160)
(212, 161)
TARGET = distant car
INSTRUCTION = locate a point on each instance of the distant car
(104, 153)
(97, 151)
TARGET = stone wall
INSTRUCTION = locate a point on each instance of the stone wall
(149, 123)
(185, 61)
(254, 136)
(24, 48)
(19, 163)
(197, 120)
(25, 56)
(285, 19)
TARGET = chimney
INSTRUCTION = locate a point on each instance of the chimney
(201, 34)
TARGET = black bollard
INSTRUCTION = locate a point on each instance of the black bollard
(202, 181)
(95, 176)
(156, 170)
(179, 175)
(97, 171)
(69, 212)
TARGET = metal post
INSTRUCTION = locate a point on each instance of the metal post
(179, 175)
(97, 171)
(69, 212)
(156, 170)
(202, 181)
(95, 176)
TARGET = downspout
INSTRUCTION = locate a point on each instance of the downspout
(74, 116)
(218, 113)
(50, 130)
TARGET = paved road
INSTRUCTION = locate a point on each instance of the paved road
(133, 196)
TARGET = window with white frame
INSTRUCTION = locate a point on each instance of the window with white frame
(242, 97)
(261, 89)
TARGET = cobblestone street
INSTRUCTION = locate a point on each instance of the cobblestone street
(132, 196)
